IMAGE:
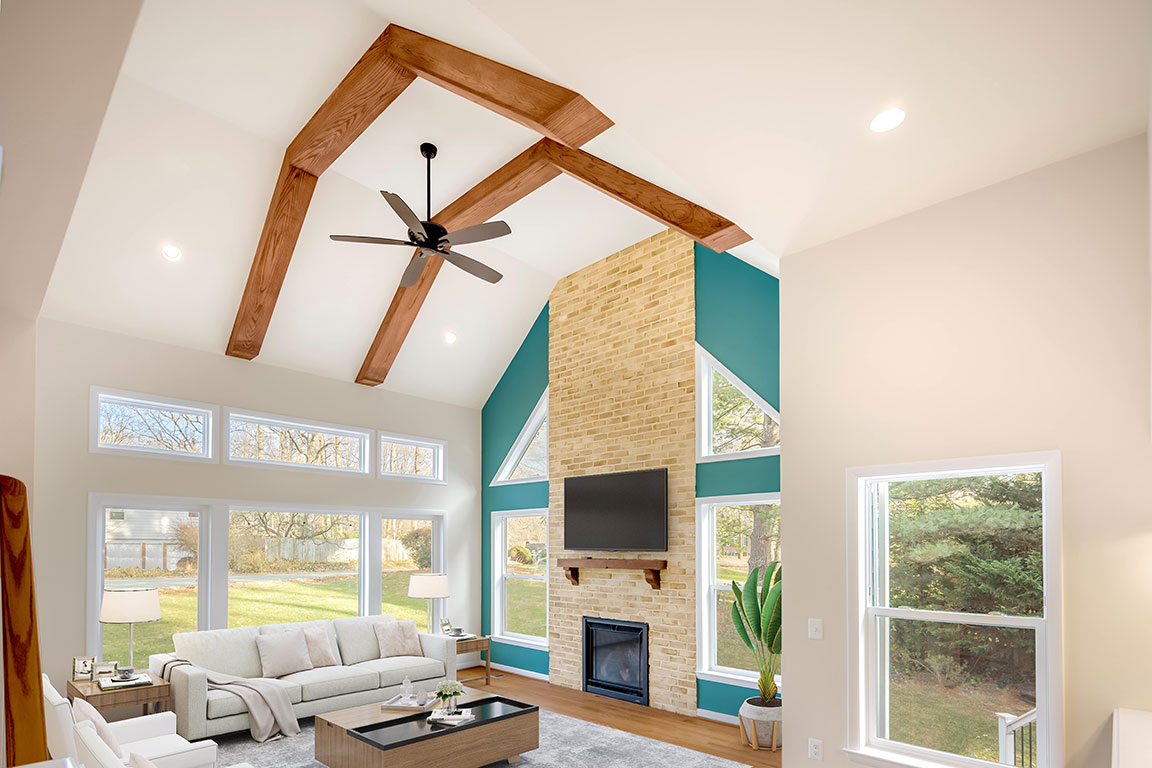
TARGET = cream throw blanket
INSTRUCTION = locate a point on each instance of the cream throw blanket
(269, 708)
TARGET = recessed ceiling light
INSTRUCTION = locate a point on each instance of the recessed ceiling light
(449, 337)
(887, 120)
(172, 253)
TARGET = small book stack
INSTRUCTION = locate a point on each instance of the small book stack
(441, 717)
(116, 683)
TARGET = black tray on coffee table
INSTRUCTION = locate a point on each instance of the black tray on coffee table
(401, 731)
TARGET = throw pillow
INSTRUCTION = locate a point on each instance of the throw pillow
(398, 638)
(139, 761)
(319, 647)
(283, 653)
(85, 711)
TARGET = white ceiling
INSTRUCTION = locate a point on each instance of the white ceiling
(758, 110)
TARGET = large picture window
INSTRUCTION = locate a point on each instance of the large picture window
(520, 575)
(143, 547)
(958, 657)
(268, 439)
(736, 534)
(293, 566)
(407, 547)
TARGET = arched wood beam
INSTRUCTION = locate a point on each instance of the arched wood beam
(397, 57)
(543, 162)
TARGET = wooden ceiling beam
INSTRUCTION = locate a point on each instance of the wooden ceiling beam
(513, 181)
(702, 225)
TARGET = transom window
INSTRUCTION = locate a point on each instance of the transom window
(527, 462)
(124, 421)
(736, 534)
(520, 573)
(273, 440)
(959, 652)
(733, 420)
(411, 457)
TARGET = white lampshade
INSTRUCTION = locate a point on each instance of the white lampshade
(429, 585)
(130, 606)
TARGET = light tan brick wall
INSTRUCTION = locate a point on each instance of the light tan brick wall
(621, 366)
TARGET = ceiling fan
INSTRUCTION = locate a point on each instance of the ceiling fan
(431, 239)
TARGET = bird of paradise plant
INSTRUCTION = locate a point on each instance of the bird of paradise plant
(757, 616)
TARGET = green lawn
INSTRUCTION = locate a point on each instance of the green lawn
(267, 602)
(526, 611)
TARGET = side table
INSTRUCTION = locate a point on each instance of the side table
(483, 645)
(159, 693)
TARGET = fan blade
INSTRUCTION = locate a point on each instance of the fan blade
(471, 266)
(372, 240)
(476, 234)
(415, 268)
(411, 220)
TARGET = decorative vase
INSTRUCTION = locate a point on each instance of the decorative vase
(762, 726)
(450, 705)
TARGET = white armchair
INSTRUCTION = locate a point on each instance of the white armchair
(151, 736)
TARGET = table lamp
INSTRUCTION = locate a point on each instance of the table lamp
(130, 606)
(430, 586)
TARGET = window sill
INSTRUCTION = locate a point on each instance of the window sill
(416, 478)
(883, 758)
(750, 683)
(523, 642)
(741, 455)
(525, 481)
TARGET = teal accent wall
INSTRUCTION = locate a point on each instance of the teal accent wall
(501, 420)
(738, 322)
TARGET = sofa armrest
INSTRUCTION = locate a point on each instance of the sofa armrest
(146, 727)
(157, 661)
(190, 701)
(440, 647)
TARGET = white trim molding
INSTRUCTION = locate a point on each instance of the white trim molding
(867, 539)
(705, 364)
(520, 446)
(521, 672)
(719, 717)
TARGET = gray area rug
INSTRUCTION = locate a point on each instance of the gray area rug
(565, 742)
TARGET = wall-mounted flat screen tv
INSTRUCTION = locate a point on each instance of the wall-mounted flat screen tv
(624, 511)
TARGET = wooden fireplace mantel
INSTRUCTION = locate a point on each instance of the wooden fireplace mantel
(651, 568)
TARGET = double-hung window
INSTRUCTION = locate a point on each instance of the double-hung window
(734, 535)
(956, 652)
(520, 576)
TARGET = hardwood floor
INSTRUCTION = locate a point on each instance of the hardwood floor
(709, 736)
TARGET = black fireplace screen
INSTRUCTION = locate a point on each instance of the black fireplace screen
(616, 659)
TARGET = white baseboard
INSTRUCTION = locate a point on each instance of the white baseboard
(717, 716)
(518, 671)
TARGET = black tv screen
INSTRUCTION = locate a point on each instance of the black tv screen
(625, 511)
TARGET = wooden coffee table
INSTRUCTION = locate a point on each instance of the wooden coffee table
(345, 739)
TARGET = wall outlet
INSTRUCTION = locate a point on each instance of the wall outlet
(815, 629)
(816, 749)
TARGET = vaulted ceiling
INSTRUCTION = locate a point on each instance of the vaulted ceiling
(757, 111)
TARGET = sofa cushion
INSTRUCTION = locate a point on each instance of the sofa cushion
(223, 703)
(398, 638)
(325, 682)
(282, 653)
(357, 637)
(231, 651)
(309, 628)
(394, 669)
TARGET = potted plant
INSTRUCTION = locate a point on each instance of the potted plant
(447, 691)
(757, 616)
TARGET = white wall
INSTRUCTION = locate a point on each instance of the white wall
(71, 359)
(1011, 319)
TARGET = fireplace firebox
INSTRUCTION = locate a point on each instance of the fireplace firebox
(616, 659)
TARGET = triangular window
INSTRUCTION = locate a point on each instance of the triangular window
(733, 418)
(528, 460)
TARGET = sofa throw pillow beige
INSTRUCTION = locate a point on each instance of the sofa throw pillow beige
(398, 638)
(283, 653)
(85, 711)
(319, 647)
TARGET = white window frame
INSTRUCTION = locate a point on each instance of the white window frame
(707, 590)
(705, 364)
(364, 435)
(520, 446)
(499, 633)
(865, 654)
(211, 414)
(212, 558)
(438, 449)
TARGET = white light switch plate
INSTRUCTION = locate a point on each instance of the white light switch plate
(816, 749)
(815, 629)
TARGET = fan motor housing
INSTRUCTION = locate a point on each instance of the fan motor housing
(435, 233)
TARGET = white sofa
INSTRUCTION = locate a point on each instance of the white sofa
(361, 677)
